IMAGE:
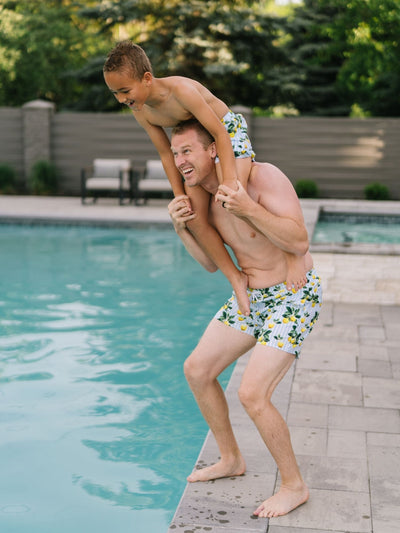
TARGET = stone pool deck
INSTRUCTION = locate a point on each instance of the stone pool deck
(341, 399)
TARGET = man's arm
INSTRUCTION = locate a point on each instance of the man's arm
(180, 214)
(272, 208)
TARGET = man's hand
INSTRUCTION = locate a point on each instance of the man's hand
(180, 212)
(236, 202)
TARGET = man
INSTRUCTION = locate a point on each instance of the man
(259, 225)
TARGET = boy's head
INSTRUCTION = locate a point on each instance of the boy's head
(129, 58)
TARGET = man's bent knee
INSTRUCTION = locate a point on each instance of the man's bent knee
(253, 402)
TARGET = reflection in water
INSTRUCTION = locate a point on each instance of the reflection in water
(98, 427)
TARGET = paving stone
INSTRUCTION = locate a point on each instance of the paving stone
(368, 333)
(374, 368)
(365, 315)
(348, 332)
(330, 510)
(364, 419)
(328, 355)
(307, 414)
(335, 473)
(384, 465)
(279, 529)
(373, 351)
(348, 443)
(392, 332)
(379, 392)
(317, 386)
(396, 370)
(391, 313)
(308, 441)
(384, 439)
(226, 503)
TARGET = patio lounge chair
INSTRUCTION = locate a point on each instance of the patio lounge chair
(107, 177)
(153, 183)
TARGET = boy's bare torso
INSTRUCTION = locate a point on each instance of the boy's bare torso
(262, 261)
(166, 108)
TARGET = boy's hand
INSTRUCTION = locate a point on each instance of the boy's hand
(237, 202)
(180, 212)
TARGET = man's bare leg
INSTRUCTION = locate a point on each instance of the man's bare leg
(265, 370)
(220, 346)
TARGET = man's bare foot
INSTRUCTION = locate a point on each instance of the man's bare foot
(242, 297)
(284, 501)
(220, 469)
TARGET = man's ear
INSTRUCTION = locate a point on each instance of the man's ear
(213, 150)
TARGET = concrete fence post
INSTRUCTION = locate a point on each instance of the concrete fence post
(36, 117)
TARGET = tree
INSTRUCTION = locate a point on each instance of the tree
(228, 45)
(40, 42)
(344, 52)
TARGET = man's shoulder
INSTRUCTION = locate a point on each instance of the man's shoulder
(264, 174)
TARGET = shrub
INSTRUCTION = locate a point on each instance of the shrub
(7, 179)
(306, 189)
(43, 178)
(376, 191)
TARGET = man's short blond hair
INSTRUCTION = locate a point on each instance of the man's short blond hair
(129, 57)
(193, 124)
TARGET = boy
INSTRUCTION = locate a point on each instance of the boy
(159, 103)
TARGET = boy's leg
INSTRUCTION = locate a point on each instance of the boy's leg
(266, 368)
(211, 242)
(220, 346)
(243, 168)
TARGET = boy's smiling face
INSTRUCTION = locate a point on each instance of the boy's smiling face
(127, 90)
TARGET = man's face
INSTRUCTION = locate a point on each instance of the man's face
(193, 161)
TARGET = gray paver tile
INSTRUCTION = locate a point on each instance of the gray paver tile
(331, 510)
(384, 439)
(347, 443)
(390, 314)
(373, 351)
(363, 315)
(396, 370)
(368, 333)
(307, 414)
(374, 368)
(384, 465)
(318, 386)
(279, 529)
(335, 473)
(226, 503)
(330, 355)
(308, 441)
(332, 331)
(392, 332)
(364, 419)
(379, 392)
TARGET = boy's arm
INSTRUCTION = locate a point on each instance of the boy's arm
(180, 214)
(161, 142)
(276, 212)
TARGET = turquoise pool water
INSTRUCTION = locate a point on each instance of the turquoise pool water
(98, 428)
(346, 227)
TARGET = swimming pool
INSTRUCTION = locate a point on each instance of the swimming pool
(98, 428)
(356, 227)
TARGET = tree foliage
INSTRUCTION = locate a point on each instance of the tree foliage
(323, 57)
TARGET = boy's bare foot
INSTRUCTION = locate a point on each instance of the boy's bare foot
(220, 469)
(284, 501)
(242, 297)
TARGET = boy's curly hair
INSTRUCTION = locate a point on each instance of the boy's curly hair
(129, 57)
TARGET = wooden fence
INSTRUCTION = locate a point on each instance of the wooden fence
(341, 155)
